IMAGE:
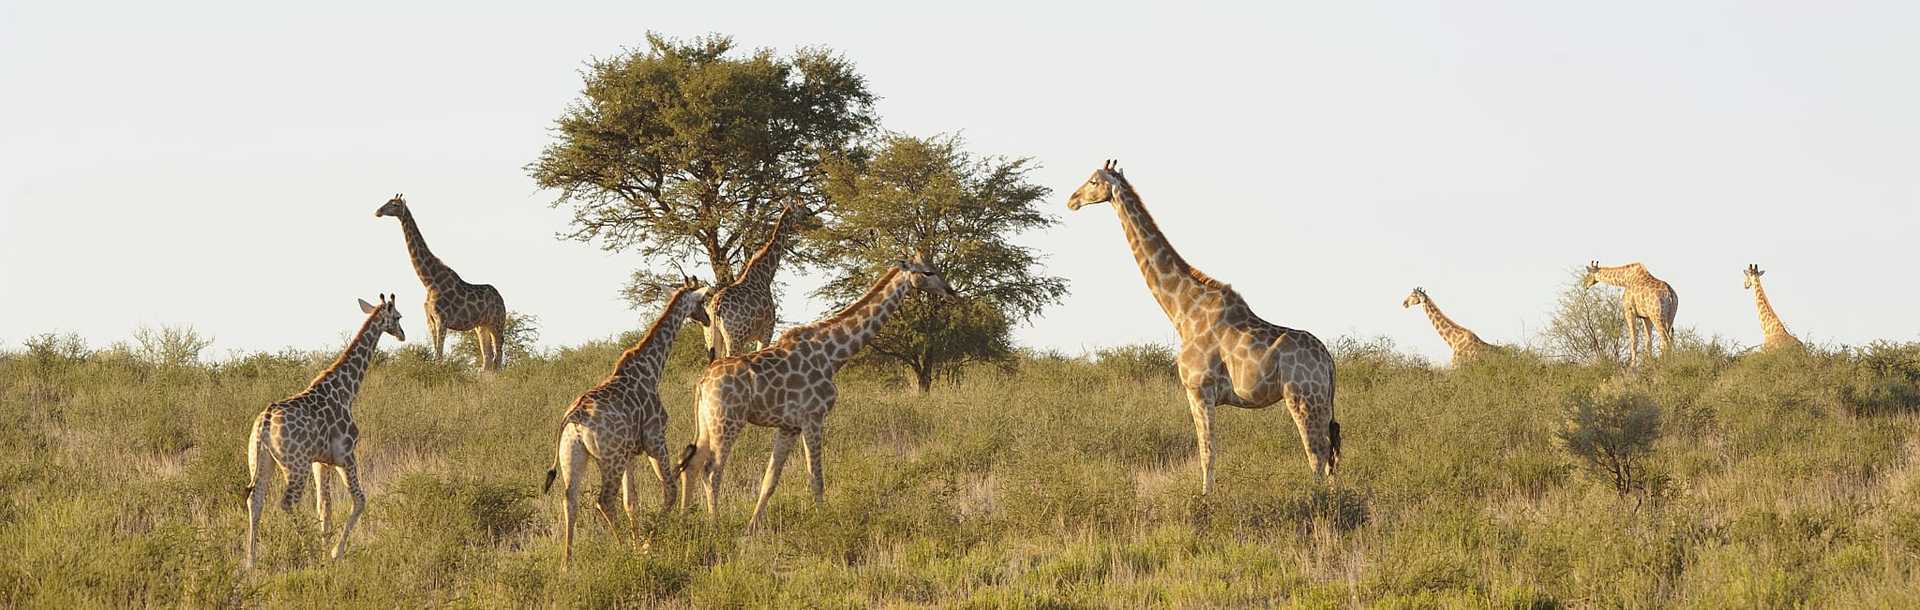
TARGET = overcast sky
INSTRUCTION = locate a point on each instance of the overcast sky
(218, 164)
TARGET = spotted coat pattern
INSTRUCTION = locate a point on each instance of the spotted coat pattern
(1774, 333)
(452, 303)
(1466, 345)
(1648, 303)
(744, 311)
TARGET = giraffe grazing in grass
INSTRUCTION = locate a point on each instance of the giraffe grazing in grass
(1648, 303)
(1466, 345)
(314, 430)
(789, 386)
(1775, 333)
(621, 419)
(1228, 355)
(743, 312)
(452, 303)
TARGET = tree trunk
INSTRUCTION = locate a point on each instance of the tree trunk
(922, 379)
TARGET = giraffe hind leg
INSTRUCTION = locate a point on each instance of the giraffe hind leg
(351, 473)
(323, 495)
(258, 463)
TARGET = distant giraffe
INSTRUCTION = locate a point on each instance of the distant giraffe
(314, 429)
(789, 386)
(452, 303)
(622, 418)
(1648, 303)
(743, 312)
(1775, 333)
(1466, 345)
(1228, 355)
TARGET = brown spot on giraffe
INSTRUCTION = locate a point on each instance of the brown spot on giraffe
(314, 430)
(622, 418)
(1774, 333)
(743, 312)
(452, 303)
(1278, 364)
(1648, 303)
(789, 387)
(1466, 345)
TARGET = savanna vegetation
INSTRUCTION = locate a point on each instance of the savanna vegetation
(1713, 478)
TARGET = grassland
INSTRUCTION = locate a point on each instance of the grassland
(1778, 480)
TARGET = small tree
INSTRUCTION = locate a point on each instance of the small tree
(1612, 438)
(928, 196)
(1587, 326)
(170, 345)
(685, 150)
(517, 340)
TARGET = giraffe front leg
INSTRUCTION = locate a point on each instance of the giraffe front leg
(1202, 410)
(782, 444)
(323, 495)
(351, 473)
(1633, 334)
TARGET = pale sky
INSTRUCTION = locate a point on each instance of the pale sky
(218, 164)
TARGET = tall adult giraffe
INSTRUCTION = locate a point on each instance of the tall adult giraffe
(1466, 345)
(1775, 333)
(452, 303)
(1648, 303)
(743, 312)
(1228, 355)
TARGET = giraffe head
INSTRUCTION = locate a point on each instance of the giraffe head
(385, 317)
(1753, 274)
(393, 207)
(925, 278)
(1417, 297)
(691, 293)
(1101, 187)
(1593, 275)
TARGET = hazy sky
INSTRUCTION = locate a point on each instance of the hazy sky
(218, 164)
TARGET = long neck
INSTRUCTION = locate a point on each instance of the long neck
(343, 376)
(859, 321)
(432, 272)
(1168, 276)
(1770, 325)
(1624, 275)
(1453, 333)
(650, 354)
(760, 267)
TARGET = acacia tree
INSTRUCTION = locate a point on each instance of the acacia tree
(927, 196)
(685, 150)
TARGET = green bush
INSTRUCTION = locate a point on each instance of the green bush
(1613, 438)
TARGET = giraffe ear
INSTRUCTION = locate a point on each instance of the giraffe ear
(364, 307)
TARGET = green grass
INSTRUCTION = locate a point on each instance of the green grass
(1790, 480)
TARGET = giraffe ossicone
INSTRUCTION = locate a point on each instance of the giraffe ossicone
(452, 303)
(1647, 302)
(1466, 345)
(1774, 335)
(743, 311)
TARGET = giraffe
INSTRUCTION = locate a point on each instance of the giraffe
(314, 429)
(743, 311)
(1648, 303)
(1466, 345)
(452, 303)
(1776, 333)
(622, 418)
(1228, 355)
(789, 386)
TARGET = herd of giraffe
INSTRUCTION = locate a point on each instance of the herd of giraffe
(1227, 356)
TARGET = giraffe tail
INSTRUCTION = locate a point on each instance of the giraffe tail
(686, 457)
(553, 471)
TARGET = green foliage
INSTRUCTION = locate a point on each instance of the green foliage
(1139, 361)
(1613, 437)
(1587, 326)
(929, 196)
(51, 350)
(170, 345)
(685, 149)
(520, 338)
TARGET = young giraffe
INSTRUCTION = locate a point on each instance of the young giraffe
(1648, 303)
(1776, 333)
(743, 311)
(452, 303)
(315, 429)
(789, 386)
(622, 418)
(1466, 345)
(1228, 355)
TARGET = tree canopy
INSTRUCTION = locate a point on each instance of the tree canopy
(684, 150)
(928, 196)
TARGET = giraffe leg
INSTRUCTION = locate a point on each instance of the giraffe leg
(572, 462)
(495, 354)
(656, 450)
(436, 332)
(1666, 336)
(815, 440)
(296, 487)
(717, 466)
(323, 495)
(782, 444)
(1314, 427)
(258, 462)
(1633, 331)
(613, 469)
(351, 473)
(1202, 410)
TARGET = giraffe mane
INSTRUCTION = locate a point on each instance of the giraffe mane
(880, 286)
(653, 330)
(1125, 189)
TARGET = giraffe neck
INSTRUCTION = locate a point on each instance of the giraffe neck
(1454, 334)
(346, 371)
(433, 273)
(1624, 275)
(650, 354)
(1169, 277)
(760, 268)
(1770, 325)
(859, 321)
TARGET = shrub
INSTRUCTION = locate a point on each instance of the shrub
(169, 345)
(1142, 361)
(1612, 438)
(1586, 327)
